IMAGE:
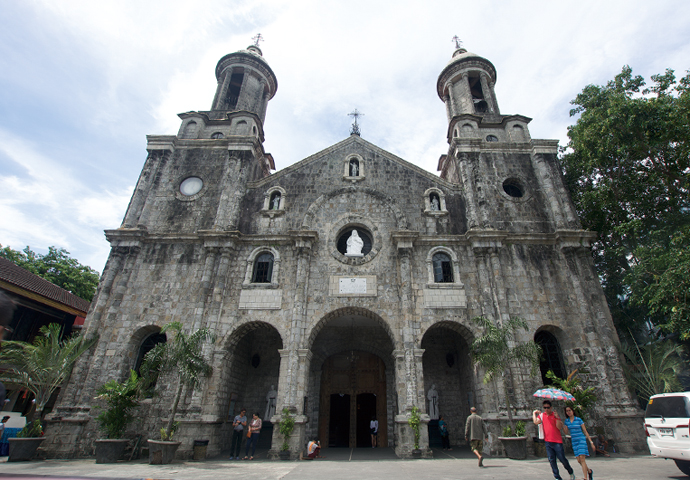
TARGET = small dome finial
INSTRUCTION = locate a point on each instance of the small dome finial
(458, 42)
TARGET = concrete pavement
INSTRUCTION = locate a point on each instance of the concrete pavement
(347, 464)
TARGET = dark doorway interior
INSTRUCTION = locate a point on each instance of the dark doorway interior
(366, 409)
(339, 428)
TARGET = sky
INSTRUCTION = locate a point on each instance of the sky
(83, 82)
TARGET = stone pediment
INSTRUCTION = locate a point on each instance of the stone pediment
(354, 146)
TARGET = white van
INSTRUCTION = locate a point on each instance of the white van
(667, 426)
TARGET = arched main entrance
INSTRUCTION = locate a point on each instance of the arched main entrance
(353, 391)
(351, 379)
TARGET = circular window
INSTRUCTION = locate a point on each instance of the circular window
(491, 138)
(191, 186)
(513, 188)
(216, 135)
(346, 234)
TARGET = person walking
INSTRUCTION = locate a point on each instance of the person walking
(238, 425)
(578, 432)
(253, 436)
(475, 432)
(443, 430)
(552, 425)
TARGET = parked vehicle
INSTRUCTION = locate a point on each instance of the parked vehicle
(667, 427)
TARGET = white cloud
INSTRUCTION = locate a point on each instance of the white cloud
(49, 206)
(83, 82)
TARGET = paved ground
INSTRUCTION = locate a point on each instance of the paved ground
(344, 464)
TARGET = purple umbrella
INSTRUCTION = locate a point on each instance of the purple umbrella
(553, 394)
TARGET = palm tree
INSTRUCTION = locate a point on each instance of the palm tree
(653, 368)
(182, 355)
(496, 350)
(43, 365)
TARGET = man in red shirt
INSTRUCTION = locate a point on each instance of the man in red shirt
(553, 424)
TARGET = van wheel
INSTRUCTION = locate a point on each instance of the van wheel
(684, 466)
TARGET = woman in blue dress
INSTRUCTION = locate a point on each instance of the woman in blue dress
(578, 432)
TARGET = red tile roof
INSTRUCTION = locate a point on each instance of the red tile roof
(16, 276)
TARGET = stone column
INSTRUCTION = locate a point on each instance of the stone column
(149, 202)
(205, 287)
(219, 100)
(235, 181)
(68, 395)
(544, 177)
(446, 102)
(466, 176)
(488, 93)
(142, 189)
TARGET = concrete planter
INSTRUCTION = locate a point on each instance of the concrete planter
(284, 455)
(110, 450)
(416, 453)
(23, 449)
(161, 452)
(515, 447)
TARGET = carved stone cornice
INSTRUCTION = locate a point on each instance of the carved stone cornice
(404, 239)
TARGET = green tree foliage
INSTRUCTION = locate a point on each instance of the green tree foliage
(43, 365)
(57, 267)
(183, 357)
(653, 368)
(627, 168)
(496, 350)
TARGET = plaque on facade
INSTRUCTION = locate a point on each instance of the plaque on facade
(353, 285)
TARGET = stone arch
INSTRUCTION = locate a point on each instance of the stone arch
(249, 367)
(352, 360)
(448, 367)
(548, 337)
(387, 200)
(350, 311)
(133, 346)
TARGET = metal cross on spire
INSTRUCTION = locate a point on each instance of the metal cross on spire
(257, 38)
(355, 127)
(458, 42)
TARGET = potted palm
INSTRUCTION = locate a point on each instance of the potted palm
(414, 422)
(121, 399)
(182, 355)
(39, 367)
(496, 350)
(24, 446)
(287, 425)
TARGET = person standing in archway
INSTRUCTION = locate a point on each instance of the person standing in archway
(238, 425)
(443, 430)
(374, 430)
(253, 436)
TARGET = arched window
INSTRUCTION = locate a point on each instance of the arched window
(146, 346)
(552, 358)
(263, 268)
(443, 268)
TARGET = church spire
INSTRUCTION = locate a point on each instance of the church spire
(245, 82)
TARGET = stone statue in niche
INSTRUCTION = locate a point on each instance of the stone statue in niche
(434, 204)
(275, 203)
(354, 168)
(432, 396)
(270, 403)
(354, 245)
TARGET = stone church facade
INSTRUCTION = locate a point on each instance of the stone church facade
(212, 238)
